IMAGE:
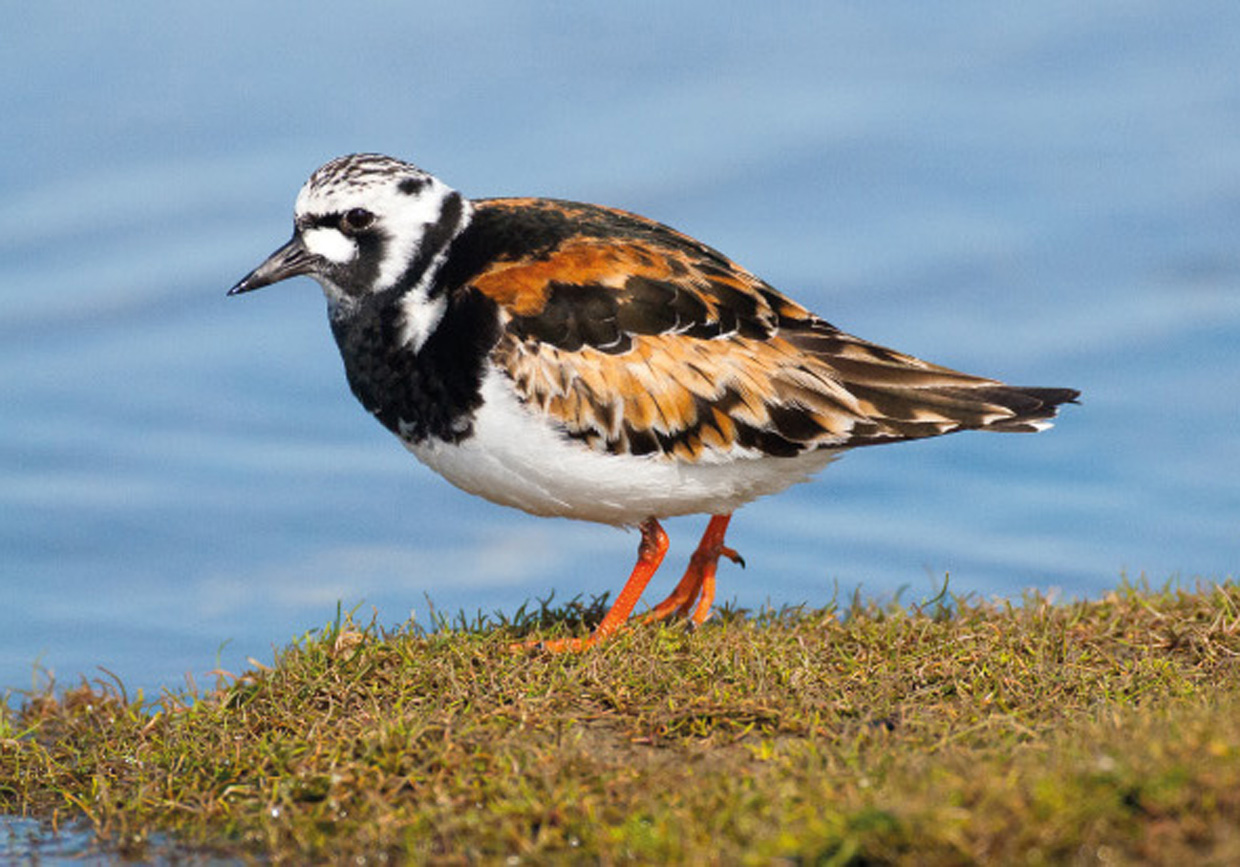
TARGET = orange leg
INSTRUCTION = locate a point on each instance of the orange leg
(649, 555)
(696, 591)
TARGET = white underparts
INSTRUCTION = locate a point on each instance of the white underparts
(517, 457)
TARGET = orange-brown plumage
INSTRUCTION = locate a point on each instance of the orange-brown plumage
(763, 373)
(581, 361)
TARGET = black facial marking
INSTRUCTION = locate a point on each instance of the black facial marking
(410, 186)
(434, 240)
(352, 222)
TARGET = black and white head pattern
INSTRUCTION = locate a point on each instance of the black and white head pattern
(376, 225)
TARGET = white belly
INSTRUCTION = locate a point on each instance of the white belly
(516, 458)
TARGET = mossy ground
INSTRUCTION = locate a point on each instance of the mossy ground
(951, 732)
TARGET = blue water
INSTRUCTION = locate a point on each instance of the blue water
(1049, 194)
(74, 843)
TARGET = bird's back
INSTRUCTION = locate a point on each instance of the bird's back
(638, 339)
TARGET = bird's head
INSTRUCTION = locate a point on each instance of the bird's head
(363, 224)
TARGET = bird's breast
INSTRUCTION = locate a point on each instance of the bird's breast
(430, 392)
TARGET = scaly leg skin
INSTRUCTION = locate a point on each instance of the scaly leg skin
(649, 555)
(695, 593)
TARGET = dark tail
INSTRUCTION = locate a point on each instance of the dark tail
(1033, 408)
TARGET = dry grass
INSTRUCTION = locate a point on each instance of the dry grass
(954, 732)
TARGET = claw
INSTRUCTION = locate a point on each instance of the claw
(691, 599)
(650, 553)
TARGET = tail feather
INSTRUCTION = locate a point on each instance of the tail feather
(1032, 408)
(900, 412)
(896, 396)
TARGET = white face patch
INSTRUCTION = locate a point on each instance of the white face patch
(331, 244)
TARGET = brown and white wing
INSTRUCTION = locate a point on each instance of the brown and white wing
(637, 339)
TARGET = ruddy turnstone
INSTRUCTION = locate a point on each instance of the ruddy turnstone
(584, 362)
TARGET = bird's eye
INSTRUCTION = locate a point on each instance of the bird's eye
(356, 220)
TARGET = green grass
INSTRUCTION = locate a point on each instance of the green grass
(953, 732)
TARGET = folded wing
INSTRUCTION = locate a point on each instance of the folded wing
(635, 338)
